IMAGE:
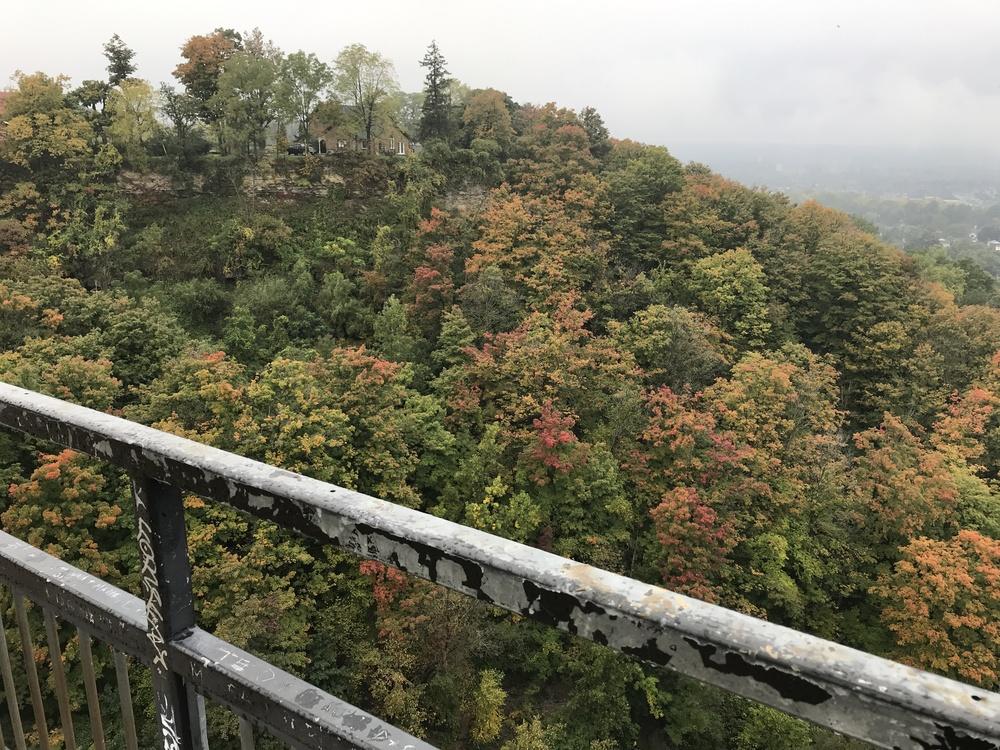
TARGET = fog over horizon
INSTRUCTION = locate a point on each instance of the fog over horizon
(701, 78)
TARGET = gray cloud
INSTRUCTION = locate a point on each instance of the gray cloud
(919, 73)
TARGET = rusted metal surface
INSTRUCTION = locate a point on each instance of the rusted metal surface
(844, 689)
(283, 705)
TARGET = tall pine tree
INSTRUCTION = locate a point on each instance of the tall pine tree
(435, 120)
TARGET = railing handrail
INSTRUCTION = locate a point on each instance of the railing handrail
(293, 710)
(847, 690)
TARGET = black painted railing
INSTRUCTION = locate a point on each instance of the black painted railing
(848, 691)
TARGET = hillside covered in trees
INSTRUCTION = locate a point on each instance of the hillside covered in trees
(527, 326)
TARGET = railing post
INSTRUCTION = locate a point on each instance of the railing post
(166, 589)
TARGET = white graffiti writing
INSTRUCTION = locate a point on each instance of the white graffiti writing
(171, 739)
(379, 734)
(154, 624)
(151, 584)
(238, 664)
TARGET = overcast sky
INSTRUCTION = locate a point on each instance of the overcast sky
(921, 73)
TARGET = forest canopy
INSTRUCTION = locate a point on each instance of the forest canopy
(521, 323)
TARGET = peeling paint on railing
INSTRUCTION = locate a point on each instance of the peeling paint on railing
(844, 689)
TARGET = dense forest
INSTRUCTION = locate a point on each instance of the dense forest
(527, 326)
(957, 230)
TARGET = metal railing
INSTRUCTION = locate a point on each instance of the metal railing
(848, 691)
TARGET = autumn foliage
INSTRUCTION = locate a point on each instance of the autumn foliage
(943, 605)
(526, 326)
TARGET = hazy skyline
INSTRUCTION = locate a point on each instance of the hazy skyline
(879, 73)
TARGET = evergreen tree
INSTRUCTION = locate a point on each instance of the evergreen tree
(456, 336)
(435, 120)
(393, 336)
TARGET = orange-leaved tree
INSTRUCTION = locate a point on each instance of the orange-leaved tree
(70, 509)
(942, 602)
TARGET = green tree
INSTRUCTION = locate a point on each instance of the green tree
(366, 81)
(531, 734)
(132, 109)
(349, 418)
(91, 95)
(85, 240)
(140, 338)
(248, 97)
(346, 315)
(57, 184)
(675, 346)
(639, 179)
(487, 707)
(182, 111)
(597, 132)
(454, 340)
(436, 115)
(119, 56)
(198, 395)
(304, 81)
(768, 729)
(486, 117)
(45, 141)
(732, 287)
(392, 334)
(490, 303)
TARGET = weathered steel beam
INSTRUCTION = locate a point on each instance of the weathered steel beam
(108, 613)
(291, 709)
(165, 579)
(283, 705)
(841, 688)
